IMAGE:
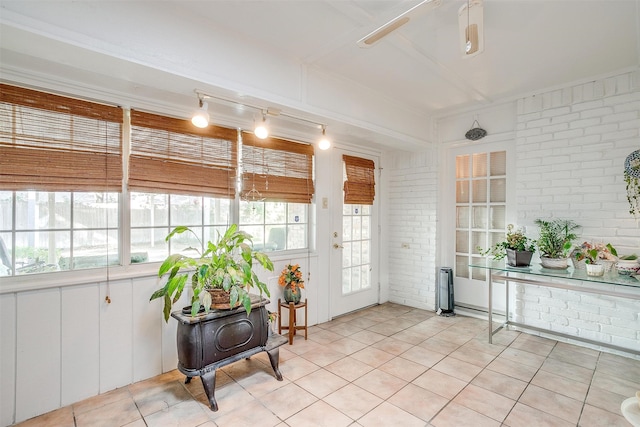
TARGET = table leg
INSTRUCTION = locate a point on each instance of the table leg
(490, 309)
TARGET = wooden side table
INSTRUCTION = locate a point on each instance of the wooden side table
(293, 324)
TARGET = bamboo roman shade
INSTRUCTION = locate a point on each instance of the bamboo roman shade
(360, 185)
(171, 155)
(54, 143)
(278, 169)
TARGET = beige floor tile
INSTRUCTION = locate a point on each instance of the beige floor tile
(320, 414)
(347, 346)
(368, 337)
(160, 397)
(439, 345)
(323, 356)
(573, 389)
(523, 357)
(596, 417)
(387, 328)
(440, 383)
(392, 346)
(345, 329)
(568, 370)
(457, 368)
(302, 346)
(288, 400)
(475, 357)
(618, 369)
(485, 402)
(321, 383)
(605, 399)
(380, 383)
(229, 397)
(324, 337)
(482, 345)
(526, 416)
(185, 414)
(552, 403)
(418, 401)
(363, 322)
(454, 337)
(409, 336)
(452, 414)
(501, 384)
(503, 337)
(403, 368)
(101, 400)
(423, 356)
(626, 386)
(349, 368)
(62, 417)
(353, 401)
(296, 368)
(260, 382)
(573, 354)
(387, 415)
(372, 356)
(512, 369)
(252, 414)
(117, 413)
(539, 346)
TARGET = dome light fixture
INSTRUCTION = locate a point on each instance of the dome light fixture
(261, 131)
(200, 117)
(324, 143)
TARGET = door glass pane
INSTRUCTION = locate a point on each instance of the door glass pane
(498, 163)
(462, 217)
(462, 191)
(498, 190)
(479, 191)
(462, 167)
(479, 167)
(462, 241)
(356, 252)
(498, 216)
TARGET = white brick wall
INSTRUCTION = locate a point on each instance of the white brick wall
(571, 147)
(412, 204)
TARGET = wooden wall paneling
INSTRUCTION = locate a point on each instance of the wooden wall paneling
(147, 333)
(7, 358)
(38, 353)
(80, 342)
(116, 338)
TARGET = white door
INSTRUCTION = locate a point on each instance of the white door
(354, 275)
(480, 190)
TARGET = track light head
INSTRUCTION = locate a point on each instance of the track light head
(201, 116)
(261, 131)
(324, 143)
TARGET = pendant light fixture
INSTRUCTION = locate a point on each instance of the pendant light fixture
(324, 143)
(260, 130)
(201, 116)
(470, 24)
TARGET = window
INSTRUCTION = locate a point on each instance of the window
(60, 179)
(480, 207)
(277, 188)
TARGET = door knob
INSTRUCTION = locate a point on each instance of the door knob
(337, 246)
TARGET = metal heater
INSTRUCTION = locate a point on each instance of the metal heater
(445, 292)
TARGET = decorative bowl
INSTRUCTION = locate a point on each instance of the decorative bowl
(627, 268)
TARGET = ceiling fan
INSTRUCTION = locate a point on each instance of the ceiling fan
(470, 23)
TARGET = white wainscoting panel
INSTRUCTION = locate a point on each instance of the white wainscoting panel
(116, 337)
(147, 333)
(38, 353)
(7, 358)
(80, 342)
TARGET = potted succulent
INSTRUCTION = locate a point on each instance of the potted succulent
(555, 241)
(597, 257)
(225, 266)
(517, 247)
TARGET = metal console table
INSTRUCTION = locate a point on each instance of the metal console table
(611, 284)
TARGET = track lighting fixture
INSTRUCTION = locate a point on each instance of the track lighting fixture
(201, 116)
(261, 131)
(324, 143)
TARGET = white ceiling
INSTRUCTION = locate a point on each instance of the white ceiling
(301, 56)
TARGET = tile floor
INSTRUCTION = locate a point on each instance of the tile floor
(388, 365)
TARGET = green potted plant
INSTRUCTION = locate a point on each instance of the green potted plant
(597, 257)
(555, 241)
(517, 247)
(225, 266)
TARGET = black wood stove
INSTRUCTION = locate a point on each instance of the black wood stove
(210, 341)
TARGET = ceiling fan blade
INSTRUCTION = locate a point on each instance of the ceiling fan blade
(397, 22)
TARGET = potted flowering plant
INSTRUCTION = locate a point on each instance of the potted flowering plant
(555, 241)
(291, 279)
(517, 247)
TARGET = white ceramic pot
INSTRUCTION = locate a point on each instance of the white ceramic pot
(627, 267)
(556, 263)
(595, 269)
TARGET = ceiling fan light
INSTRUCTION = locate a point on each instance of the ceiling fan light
(201, 117)
(470, 24)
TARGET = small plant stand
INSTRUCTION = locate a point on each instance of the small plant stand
(293, 324)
